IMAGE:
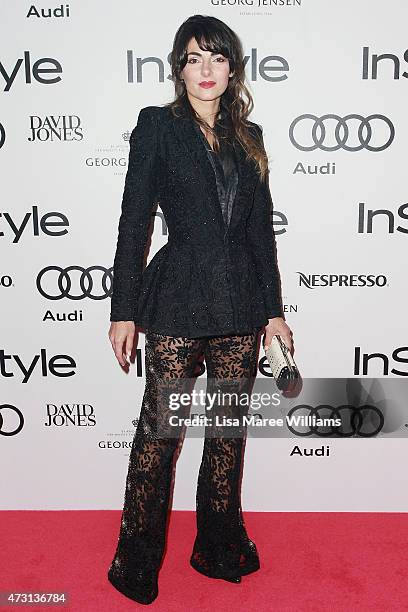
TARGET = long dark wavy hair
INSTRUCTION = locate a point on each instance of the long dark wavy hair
(215, 36)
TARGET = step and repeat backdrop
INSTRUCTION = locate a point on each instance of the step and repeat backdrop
(330, 83)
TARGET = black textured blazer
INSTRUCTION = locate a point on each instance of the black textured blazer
(205, 280)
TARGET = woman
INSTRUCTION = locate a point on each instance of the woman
(209, 291)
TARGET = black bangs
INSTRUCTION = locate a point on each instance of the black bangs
(211, 42)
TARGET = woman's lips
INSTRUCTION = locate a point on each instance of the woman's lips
(207, 84)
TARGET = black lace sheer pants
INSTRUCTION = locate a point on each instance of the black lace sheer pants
(222, 548)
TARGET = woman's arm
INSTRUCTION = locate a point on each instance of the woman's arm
(262, 240)
(139, 194)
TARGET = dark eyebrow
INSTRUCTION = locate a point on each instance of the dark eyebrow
(200, 54)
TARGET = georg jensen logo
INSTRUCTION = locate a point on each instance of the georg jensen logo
(341, 280)
(331, 132)
(75, 282)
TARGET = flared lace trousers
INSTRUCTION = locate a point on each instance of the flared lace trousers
(222, 547)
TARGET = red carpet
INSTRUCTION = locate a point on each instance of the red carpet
(309, 561)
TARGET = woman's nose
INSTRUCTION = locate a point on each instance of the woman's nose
(206, 69)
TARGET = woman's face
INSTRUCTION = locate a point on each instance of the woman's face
(205, 74)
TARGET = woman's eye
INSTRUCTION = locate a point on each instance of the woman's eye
(220, 59)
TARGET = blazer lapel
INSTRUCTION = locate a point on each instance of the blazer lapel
(245, 187)
(190, 141)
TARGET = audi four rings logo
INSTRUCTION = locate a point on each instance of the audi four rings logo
(7, 423)
(365, 421)
(55, 283)
(2, 135)
(341, 135)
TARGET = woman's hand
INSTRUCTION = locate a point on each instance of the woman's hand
(121, 334)
(278, 326)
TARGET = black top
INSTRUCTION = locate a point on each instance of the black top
(224, 164)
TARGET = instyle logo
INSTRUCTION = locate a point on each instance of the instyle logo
(271, 68)
(60, 366)
(65, 415)
(11, 420)
(34, 224)
(351, 133)
(75, 282)
(364, 421)
(311, 281)
(50, 128)
(382, 220)
(379, 363)
(37, 71)
(390, 69)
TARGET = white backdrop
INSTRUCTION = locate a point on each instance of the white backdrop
(60, 206)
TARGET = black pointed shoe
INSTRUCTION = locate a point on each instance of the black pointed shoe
(142, 586)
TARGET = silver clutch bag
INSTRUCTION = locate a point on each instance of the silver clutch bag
(283, 366)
